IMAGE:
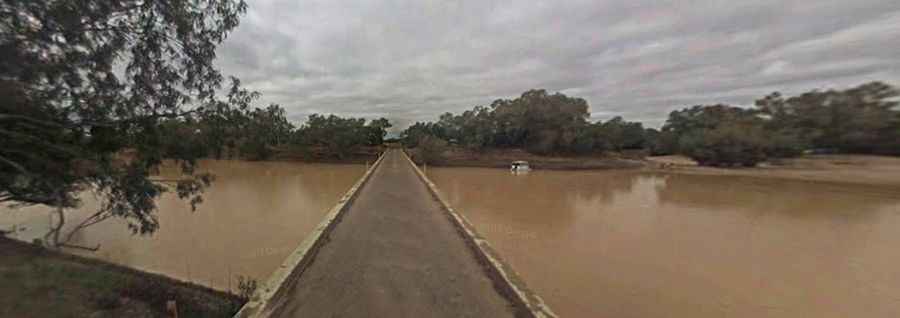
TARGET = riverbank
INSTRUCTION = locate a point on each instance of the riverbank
(856, 169)
(38, 282)
(360, 155)
(502, 158)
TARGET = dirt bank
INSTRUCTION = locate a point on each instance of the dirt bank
(860, 169)
(37, 282)
(501, 158)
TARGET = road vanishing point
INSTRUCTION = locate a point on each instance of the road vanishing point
(393, 248)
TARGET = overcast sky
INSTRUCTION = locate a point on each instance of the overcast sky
(413, 60)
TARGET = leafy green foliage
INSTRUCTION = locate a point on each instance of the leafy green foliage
(719, 135)
(237, 129)
(89, 89)
(725, 146)
(536, 121)
(376, 130)
(660, 143)
(539, 122)
(431, 149)
(340, 136)
(414, 133)
(618, 134)
(863, 119)
(77, 287)
(264, 129)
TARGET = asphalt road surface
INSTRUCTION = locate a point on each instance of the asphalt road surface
(394, 254)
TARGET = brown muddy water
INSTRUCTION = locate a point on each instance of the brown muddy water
(636, 244)
(254, 214)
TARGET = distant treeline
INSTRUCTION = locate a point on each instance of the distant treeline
(863, 119)
(236, 129)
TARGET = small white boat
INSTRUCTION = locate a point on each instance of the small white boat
(519, 166)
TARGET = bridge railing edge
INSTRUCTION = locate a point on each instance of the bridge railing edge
(499, 271)
(266, 300)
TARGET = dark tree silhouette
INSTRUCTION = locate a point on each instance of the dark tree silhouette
(86, 87)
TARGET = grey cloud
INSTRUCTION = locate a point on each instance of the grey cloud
(412, 60)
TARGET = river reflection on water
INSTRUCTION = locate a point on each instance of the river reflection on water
(635, 244)
(254, 214)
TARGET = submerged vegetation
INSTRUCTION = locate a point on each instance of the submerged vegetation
(863, 119)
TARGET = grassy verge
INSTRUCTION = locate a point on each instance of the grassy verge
(35, 282)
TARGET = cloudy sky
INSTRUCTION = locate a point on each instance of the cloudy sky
(412, 60)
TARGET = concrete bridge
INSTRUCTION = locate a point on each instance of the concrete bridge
(393, 248)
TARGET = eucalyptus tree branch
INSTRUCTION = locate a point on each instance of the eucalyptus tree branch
(15, 165)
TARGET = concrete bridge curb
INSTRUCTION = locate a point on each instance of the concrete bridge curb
(504, 277)
(264, 301)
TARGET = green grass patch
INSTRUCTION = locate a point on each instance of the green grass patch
(41, 283)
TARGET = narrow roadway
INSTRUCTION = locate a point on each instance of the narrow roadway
(394, 254)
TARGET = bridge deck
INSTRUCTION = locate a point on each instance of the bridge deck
(394, 254)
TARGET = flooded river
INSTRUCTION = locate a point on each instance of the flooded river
(252, 217)
(633, 244)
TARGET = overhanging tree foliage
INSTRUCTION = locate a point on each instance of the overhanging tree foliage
(86, 88)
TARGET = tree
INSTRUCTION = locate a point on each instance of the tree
(414, 133)
(431, 149)
(339, 136)
(586, 141)
(620, 134)
(660, 143)
(726, 145)
(719, 135)
(546, 119)
(540, 122)
(861, 119)
(222, 123)
(181, 138)
(376, 130)
(87, 87)
(264, 129)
